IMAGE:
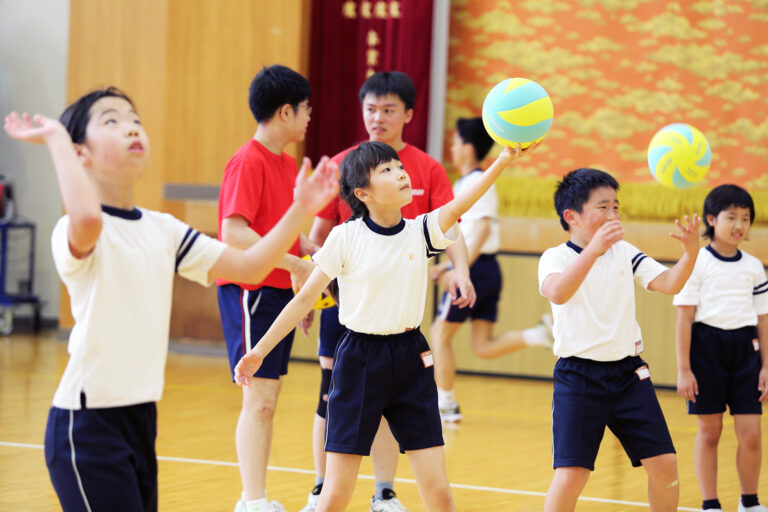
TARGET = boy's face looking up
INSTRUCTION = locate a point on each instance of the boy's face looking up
(602, 206)
(116, 145)
(385, 117)
(731, 225)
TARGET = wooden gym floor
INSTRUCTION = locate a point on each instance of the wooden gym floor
(499, 457)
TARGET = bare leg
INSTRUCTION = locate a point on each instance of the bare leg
(318, 429)
(749, 453)
(384, 454)
(339, 481)
(487, 348)
(565, 489)
(253, 435)
(663, 484)
(429, 469)
(441, 336)
(705, 453)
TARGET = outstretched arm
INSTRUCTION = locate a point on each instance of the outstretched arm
(672, 281)
(79, 195)
(294, 311)
(451, 212)
(253, 264)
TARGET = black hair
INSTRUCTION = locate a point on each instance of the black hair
(273, 87)
(574, 189)
(472, 131)
(356, 172)
(723, 197)
(390, 82)
(75, 117)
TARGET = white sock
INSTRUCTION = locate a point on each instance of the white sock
(446, 397)
(537, 335)
(259, 505)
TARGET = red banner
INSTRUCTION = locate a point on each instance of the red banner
(352, 39)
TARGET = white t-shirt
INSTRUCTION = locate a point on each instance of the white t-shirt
(382, 272)
(121, 303)
(728, 292)
(487, 207)
(599, 321)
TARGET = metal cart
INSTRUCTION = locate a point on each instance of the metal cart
(9, 301)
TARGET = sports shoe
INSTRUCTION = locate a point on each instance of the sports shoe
(450, 413)
(390, 503)
(312, 500)
(756, 508)
(541, 334)
(274, 506)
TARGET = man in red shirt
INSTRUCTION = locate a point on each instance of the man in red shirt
(256, 191)
(387, 100)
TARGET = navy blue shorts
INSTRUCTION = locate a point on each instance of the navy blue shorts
(103, 459)
(591, 395)
(245, 318)
(485, 274)
(331, 331)
(375, 376)
(726, 364)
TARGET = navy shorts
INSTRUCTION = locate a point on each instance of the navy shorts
(331, 331)
(726, 364)
(382, 375)
(485, 274)
(591, 395)
(245, 317)
(103, 459)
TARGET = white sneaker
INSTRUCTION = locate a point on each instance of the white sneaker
(449, 413)
(541, 334)
(274, 506)
(390, 503)
(312, 500)
(756, 508)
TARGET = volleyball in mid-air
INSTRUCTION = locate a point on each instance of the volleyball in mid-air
(679, 156)
(517, 111)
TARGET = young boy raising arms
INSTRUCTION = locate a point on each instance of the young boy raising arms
(600, 380)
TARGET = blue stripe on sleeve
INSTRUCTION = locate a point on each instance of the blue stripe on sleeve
(639, 260)
(183, 251)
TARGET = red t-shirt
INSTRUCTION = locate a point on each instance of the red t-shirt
(429, 183)
(258, 185)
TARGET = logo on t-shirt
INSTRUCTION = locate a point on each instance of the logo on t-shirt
(417, 192)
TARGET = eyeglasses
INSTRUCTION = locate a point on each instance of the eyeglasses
(307, 107)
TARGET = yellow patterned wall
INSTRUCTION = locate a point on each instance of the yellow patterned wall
(617, 71)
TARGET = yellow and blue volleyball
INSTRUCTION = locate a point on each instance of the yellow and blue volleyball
(517, 111)
(679, 156)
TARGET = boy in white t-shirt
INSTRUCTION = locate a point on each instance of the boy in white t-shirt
(722, 344)
(480, 228)
(600, 379)
(118, 262)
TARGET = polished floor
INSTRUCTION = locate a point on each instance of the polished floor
(499, 457)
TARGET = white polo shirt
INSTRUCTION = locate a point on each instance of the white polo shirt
(487, 207)
(382, 272)
(599, 321)
(121, 303)
(728, 292)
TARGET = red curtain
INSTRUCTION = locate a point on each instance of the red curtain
(352, 39)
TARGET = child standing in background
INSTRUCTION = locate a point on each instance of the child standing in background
(722, 345)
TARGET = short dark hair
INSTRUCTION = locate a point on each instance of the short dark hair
(574, 189)
(472, 131)
(76, 116)
(723, 197)
(273, 87)
(356, 172)
(390, 82)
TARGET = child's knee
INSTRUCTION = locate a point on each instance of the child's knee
(571, 480)
(663, 468)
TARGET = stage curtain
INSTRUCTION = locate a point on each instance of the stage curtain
(350, 40)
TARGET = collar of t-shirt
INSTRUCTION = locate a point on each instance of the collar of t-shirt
(574, 246)
(735, 257)
(132, 214)
(382, 230)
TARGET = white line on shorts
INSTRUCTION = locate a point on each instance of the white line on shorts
(370, 477)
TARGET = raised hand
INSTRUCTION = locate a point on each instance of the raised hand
(689, 234)
(510, 154)
(316, 191)
(36, 130)
(607, 235)
(246, 367)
